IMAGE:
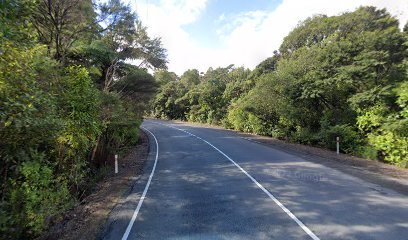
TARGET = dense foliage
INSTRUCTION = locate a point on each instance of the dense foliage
(343, 76)
(69, 99)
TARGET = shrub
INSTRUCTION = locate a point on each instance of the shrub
(36, 196)
(392, 147)
(238, 118)
(305, 136)
(349, 138)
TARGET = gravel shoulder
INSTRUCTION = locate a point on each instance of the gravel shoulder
(382, 174)
(87, 220)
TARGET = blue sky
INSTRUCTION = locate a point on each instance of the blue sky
(218, 13)
(216, 33)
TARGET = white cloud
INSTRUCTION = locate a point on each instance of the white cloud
(249, 37)
(221, 18)
(165, 20)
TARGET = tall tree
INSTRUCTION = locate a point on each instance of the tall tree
(60, 23)
(190, 77)
(124, 38)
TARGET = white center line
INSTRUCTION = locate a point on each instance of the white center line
(139, 205)
(286, 210)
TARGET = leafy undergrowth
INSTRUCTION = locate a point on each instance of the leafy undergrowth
(87, 219)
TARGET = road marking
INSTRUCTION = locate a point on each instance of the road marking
(286, 210)
(139, 205)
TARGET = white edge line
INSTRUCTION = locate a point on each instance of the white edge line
(286, 210)
(139, 205)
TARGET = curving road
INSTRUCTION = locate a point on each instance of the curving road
(202, 183)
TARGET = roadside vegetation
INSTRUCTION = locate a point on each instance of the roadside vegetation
(69, 99)
(344, 76)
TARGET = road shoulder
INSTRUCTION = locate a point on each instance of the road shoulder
(121, 215)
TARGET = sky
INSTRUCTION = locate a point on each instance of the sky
(199, 34)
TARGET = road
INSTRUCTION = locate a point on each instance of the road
(203, 183)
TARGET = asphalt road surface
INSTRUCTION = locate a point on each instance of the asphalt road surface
(202, 183)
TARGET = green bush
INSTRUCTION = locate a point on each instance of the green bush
(255, 124)
(79, 106)
(47, 128)
(305, 136)
(349, 138)
(125, 133)
(197, 114)
(284, 129)
(36, 196)
(367, 152)
(392, 147)
(238, 119)
(226, 123)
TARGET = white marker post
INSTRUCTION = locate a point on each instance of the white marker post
(338, 145)
(116, 163)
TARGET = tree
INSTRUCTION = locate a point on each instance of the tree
(164, 76)
(165, 105)
(136, 87)
(123, 39)
(332, 76)
(190, 77)
(328, 60)
(60, 23)
(57, 126)
(238, 85)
